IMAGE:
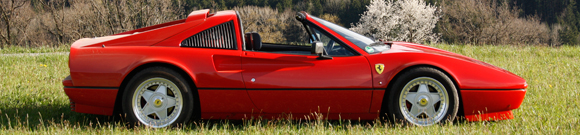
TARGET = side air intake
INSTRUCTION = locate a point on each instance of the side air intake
(222, 36)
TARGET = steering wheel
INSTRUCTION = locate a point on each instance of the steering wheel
(329, 46)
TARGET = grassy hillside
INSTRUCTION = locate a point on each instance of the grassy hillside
(32, 100)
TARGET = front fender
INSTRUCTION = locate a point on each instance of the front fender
(469, 74)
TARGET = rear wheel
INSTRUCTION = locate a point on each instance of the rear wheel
(158, 97)
(423, 96)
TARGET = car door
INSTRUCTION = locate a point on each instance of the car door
(280, 82)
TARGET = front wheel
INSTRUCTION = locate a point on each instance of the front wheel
(158, 97)
(423, 96)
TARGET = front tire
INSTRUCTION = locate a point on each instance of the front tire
(423, 96)
(158, 97)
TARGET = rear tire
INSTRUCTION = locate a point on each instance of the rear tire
(422, 96)
(157, 97)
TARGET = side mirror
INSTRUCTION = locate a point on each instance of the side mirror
(318, 49)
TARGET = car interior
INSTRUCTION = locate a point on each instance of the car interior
(253, 42)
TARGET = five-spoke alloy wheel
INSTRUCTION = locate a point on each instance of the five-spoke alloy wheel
(158, 97)
(422, 96)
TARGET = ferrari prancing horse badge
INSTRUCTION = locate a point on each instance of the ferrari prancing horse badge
(379, 68)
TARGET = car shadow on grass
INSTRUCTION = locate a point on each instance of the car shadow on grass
(52, 115)
(335, 124)
(59, 115)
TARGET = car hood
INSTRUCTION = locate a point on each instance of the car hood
(414, 47)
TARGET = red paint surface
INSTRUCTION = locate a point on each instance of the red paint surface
(198, 15)
(91, 109)
(284, 83)
(67, 81)
(110, 66)
(225, 101)
(309, 101)
(287, 71)
(491, 101)
(377, 101)
(93, 101)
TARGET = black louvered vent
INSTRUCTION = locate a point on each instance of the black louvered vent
(222, 36)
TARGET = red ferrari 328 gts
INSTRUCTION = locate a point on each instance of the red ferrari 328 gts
(206, 67)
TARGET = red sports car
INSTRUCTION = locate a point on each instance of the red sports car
(206, 67)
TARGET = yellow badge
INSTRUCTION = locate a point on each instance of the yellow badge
(379, 68)
(157, 102)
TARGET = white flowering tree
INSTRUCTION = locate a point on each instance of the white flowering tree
(402, 20)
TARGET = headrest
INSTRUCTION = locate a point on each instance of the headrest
(253, 41)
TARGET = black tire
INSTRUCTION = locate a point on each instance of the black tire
(150, 83)
(422, 86)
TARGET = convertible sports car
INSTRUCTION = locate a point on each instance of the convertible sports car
(206, 67)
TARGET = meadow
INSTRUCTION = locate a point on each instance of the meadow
(32, 100)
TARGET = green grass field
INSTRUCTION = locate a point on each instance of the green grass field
(32, 100)
(42, 49)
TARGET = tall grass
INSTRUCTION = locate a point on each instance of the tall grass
(42, 49)
(32, 101)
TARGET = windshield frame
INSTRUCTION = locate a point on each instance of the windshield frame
(310, 25)
(311, 29)
(353, 37)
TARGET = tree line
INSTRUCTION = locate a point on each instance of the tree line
(558, 20)
(55, 22)
(347, 10)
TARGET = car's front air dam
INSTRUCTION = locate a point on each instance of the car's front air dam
(89, 99)
(482, 105)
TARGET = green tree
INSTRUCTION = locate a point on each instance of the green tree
(352, 12)
(318, 9)
(286, 4)
(240, 3)
(252, 2)
(264, 3)
(570, 22)
(222, 5)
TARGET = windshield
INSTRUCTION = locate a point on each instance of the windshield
(357, 39)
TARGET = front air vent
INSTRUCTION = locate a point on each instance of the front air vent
(222, 36)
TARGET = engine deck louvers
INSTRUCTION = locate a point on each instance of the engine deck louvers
(222, 36)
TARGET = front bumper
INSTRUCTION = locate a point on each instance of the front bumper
(482, 105)
(90, 100)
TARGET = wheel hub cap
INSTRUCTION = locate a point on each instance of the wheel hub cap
(158, 101)
(423, 100)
